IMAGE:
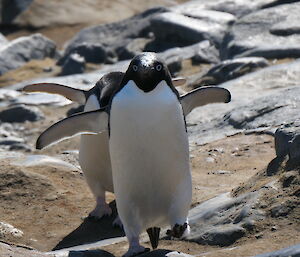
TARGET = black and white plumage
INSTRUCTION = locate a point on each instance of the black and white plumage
(147, 133)
(97, 171)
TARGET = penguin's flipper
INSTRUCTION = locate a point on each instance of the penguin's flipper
(202, 96)
(179, 81)
(73, 94)
(83, 123)
(153, 234)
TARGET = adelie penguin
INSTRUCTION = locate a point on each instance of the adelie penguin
(97, 171)
(148, 148)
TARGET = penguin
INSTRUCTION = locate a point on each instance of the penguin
(148, 146)
(97, 171)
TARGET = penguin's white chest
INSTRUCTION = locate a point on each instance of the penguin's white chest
(149, 153)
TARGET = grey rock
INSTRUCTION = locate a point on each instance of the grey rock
(19, 251)
(292, 251)
(183, 30)
(9, 230)
(134, 47)
(174, 56)
(21, 50)
(74, 64)
(3, 40)
(231, 69)
(237, 8)
(93, 53)
(223, 219)
(287, 141)
(21, 113)
(20, 147)
(115, 35)
(270, 33)
(264, 100)
(11, 9)
(11, 141)
(209, 54)
(270, 111)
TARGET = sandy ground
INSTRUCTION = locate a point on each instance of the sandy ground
(49, 204)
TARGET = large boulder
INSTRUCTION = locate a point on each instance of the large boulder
(3, 40)
(184, 30)
(237, 8)
(292, 251)
(227, 70)
(21, 113)
(270, 33)
(19, 51)
(115, 35)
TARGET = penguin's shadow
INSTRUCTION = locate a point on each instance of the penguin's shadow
(92, 230)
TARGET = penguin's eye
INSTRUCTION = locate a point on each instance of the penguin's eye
(135, 67)
(158, 67)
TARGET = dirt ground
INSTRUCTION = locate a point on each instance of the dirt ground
(49, 204)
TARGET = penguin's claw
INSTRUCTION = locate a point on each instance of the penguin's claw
(136, 251)
(100, 211)
(118, 223)
(177, 231)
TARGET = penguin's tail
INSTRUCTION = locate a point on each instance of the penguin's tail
(153, 234)
(73, 94)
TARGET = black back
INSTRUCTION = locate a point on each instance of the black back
(106, 86)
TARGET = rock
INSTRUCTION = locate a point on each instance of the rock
(116, 35)
(9, 230)
(11, 9)
(207, 55)
(74, 64)
(40, 98)
(231, 69)
(270, 33)
(174, 56)
(19, 251)
(134, 47)
(3, 40)
(223, 219)
(237, 8)
(269, 111)
(287, 141)
(21, 113)
(20, 147)
(183, 30)
(222, 236)
(21, 50)
(292, 251)
(11, 141)
(93, 53)
(44, 160)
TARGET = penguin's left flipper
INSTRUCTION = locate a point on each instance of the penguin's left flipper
(202, 96)
(73, 94)
(92, 122)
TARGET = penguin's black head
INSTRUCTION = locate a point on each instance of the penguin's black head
(147, 70)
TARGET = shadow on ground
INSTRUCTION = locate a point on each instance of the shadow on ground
(91, 231)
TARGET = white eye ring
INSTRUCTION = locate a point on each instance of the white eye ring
(135, 67)
(158, 67)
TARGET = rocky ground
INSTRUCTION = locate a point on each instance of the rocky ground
(244, 155)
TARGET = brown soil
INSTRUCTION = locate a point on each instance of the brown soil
(49, 204)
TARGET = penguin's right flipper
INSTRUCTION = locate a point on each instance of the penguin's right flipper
(153, 234)
(83, 123)
(73, 94)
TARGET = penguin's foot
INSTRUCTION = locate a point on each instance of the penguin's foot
(179, 231)
(153, 234)
(137, 250)
(117, 222)
(101, 209)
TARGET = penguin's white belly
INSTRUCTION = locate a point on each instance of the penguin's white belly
(94, 157)
(150, 155)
